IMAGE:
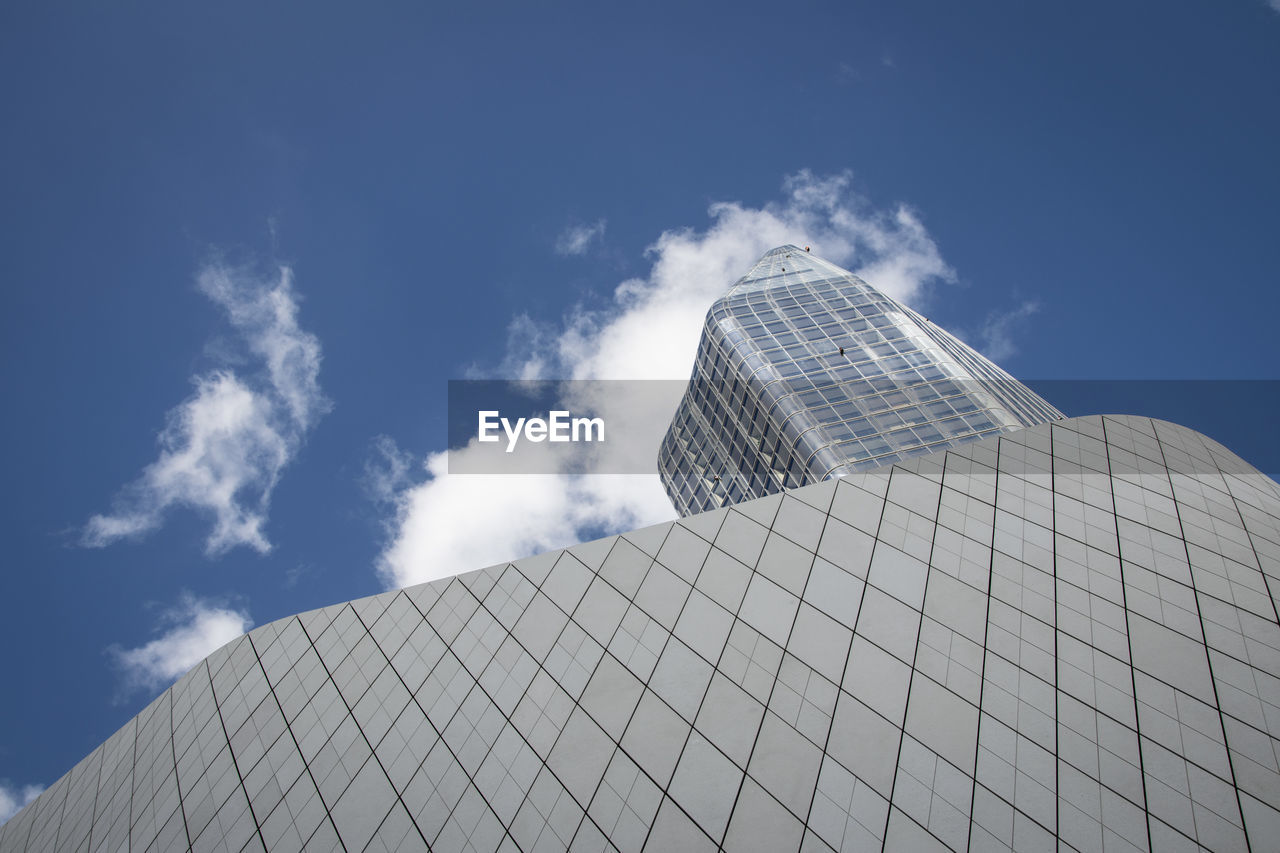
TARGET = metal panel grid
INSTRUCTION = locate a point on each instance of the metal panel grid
(1061, 636)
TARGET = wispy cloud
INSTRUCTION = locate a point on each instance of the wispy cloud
(1001, 328)
(192, 630)
(1275, 4)
(387, 470)
(846, 73)
(223, 448)
(576, 239)
(443, 524)
(296, 573)
(14, 797)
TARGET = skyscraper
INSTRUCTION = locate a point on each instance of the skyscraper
(806, 372)
(1061, 636)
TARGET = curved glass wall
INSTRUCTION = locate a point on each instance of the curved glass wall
(806, 372)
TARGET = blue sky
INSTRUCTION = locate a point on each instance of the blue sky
(245, 247)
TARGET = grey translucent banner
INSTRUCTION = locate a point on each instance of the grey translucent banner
(559, 427)
(616, 426)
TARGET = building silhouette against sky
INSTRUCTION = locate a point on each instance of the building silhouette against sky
(1059, 636)
(806, 372)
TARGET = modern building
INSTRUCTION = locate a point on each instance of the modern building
(805, 372)
(1063, 636)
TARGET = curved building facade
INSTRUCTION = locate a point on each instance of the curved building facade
(1061, 637)
(805, 372)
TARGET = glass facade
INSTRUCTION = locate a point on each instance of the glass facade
(805, 372)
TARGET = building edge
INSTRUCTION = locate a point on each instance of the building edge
(78, 810)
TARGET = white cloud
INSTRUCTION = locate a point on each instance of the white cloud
(223, 448)
(446, 524)
(387, 472)
(14, 797)
(1275, 4)
(576, 239)
(1000, 328)
(194, 629)
(455, 523)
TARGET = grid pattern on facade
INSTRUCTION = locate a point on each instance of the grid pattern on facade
(1061, 636)
(805, 372)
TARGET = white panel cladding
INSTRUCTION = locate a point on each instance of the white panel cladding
(1063, 634)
